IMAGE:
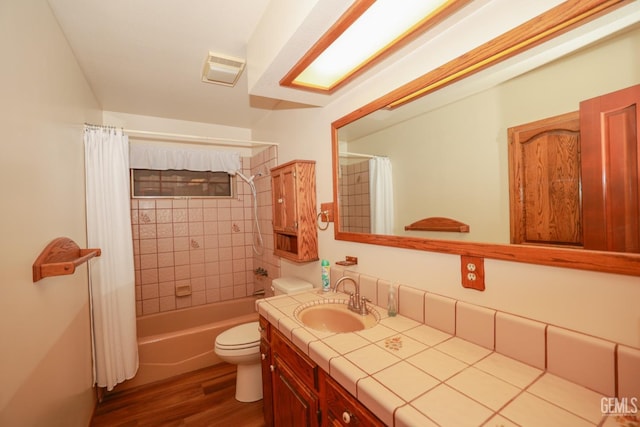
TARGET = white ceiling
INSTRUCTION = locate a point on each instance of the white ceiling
(146, 56)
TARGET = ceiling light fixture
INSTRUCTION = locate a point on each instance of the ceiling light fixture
(222, 69)
(365, 33)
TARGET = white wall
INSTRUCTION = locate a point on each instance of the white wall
(45, 362)
(601, 304)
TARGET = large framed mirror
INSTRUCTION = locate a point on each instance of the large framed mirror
(444, 136)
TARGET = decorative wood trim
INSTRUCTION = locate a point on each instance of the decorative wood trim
(556, 21)
(60, 257)
(436, 223)
(582, 259)
(344, 22)
(574, 13)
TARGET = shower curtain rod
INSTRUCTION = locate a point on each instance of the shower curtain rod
(348, 154)
(187, 138)
(195, 138)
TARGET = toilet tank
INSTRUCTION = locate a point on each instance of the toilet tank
(289, 285)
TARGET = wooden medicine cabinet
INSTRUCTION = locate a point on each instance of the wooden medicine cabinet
(295, 231)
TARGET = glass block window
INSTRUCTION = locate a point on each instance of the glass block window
(180, 184)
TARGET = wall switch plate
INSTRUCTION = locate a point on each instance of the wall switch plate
(472, 270)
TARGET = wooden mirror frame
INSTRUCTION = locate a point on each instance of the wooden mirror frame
(544, 27)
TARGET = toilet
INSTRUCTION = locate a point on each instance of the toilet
(240, 345)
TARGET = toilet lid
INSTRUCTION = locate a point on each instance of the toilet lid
(245, 335)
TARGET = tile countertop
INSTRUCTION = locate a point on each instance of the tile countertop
(410, 374)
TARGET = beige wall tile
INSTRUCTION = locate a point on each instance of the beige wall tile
(383, 293)
(629, 372)
(440, 312)
(369, 288)
(411, 303)
(521, 339)
(476, 324)
(582, 359)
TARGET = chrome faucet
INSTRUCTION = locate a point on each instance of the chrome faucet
(357, 303)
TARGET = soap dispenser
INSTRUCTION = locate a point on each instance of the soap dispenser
(392, 305)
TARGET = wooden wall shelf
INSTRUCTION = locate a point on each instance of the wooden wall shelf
(60, 257)
(438, 224)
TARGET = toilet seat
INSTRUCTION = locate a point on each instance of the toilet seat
(239, 337)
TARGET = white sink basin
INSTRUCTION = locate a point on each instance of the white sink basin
(334, 317)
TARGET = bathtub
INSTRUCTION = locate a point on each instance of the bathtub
(179, 341)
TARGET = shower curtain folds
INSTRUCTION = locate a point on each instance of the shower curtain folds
(381, 193)
(111, 277)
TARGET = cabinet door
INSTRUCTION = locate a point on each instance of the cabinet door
(611, 170)
(289, 196)
(544, 175)
(284, 189)
(294, 405)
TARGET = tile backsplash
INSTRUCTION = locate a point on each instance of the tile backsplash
(190, 252)
(605, 367)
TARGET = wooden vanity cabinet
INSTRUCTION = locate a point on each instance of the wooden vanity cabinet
(295, 392)
(295, 232)
(342, 409)
(267, 363)
(298, 393)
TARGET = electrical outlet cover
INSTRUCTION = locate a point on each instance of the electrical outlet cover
(472, 272)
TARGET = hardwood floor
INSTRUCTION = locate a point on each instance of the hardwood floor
(201, 398)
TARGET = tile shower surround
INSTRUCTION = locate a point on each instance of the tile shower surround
(355, 200)
(443, 362)
(204, 245)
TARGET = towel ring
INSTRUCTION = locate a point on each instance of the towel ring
(326, 216)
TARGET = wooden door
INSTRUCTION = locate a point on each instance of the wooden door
(294, 405)
(544, 176)
(610, 171)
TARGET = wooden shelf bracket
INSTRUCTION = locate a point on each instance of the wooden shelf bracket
(60, 257)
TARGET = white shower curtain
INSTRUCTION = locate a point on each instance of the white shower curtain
(381, 195)
(111, 276)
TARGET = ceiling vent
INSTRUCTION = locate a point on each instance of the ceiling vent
(222, 69)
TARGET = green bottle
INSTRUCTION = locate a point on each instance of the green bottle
(326, 281)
